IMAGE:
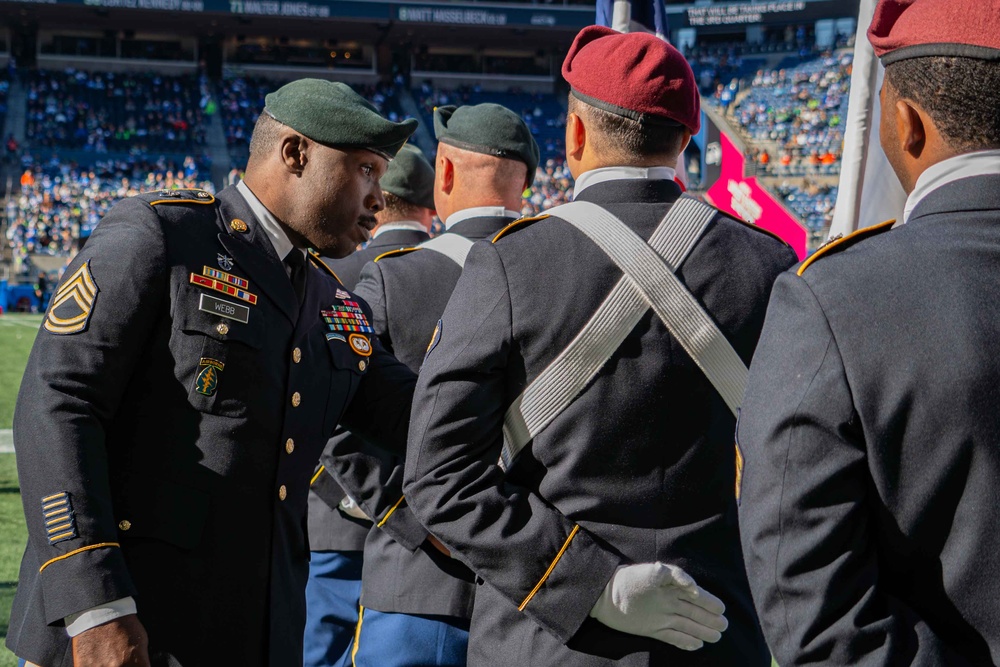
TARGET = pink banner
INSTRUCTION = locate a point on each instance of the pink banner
(747, 200)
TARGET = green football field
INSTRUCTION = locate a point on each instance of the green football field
(17, 333)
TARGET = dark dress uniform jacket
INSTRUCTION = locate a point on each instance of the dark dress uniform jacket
(403, 573)
(194, 504)
(639, 468)
(870, 436)
(329, 529)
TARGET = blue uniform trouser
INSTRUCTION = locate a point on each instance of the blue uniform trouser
(333, 594)
(405, 640)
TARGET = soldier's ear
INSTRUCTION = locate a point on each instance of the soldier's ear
(910, 128)
(447, 168)
(576, 135)
(293, 149)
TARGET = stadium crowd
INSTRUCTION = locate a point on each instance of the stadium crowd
(135, 112)
(59, 204)
(795, 115)
(812, 202)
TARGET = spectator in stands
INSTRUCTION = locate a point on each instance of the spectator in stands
(57, 210)
(108, 111)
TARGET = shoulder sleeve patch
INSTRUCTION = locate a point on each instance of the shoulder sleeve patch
(397, 251)
(318, 262)
(520, 223)
(837, 244)
(72, 304)
(179, 196)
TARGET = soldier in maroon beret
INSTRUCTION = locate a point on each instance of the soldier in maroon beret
(607, 535)
(870, 426)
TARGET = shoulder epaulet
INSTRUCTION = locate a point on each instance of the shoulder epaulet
(518, 224)
(322, 266)
(397, 251)
(761, 230)
(838, 243)
(179, 196)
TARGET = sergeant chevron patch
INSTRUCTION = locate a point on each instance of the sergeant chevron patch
(72, 304)
(58, 516)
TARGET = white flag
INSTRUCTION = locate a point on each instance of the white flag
(869, 191)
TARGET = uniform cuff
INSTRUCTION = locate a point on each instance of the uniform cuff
(563, 597)
(402, 526)
(82, 579)
(99, 615)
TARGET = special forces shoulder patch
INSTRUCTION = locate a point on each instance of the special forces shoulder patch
(208, 377)
(73, 303)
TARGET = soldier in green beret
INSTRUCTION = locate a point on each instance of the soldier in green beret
(190, 369)
(337, 526)
(411, 587)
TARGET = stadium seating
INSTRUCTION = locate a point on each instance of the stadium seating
(115, 112)
(812, 203)
(60, 204)
(795, 116)
(553, 186)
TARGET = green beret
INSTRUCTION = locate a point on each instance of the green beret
(487, 128)
(333, 114)
(410, 177)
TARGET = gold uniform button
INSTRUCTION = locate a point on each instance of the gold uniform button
(238, 225)
(296, 355)
(124, 524)
(282, 492)
(296, 399)
(362, 365)
(289, 445)
(223, 328)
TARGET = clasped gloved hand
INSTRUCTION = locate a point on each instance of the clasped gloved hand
(351, 508)
(663, 602)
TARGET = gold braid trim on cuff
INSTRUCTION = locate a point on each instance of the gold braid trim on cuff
(551, 567)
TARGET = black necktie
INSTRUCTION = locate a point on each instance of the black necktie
(296, 262)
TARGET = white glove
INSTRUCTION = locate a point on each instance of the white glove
(351, 508)
(663, 602)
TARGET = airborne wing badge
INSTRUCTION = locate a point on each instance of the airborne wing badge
(72, 304)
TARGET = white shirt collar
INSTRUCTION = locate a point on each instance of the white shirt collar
(399, 225)
(595, 176)
(275, 234)
(479, 212)
(948, 171)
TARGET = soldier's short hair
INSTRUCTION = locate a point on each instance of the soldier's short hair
(397, 208)
(265, 136)
(627, 138)
(961, 95)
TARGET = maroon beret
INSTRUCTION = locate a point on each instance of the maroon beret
(636, 75)
(903, 29)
